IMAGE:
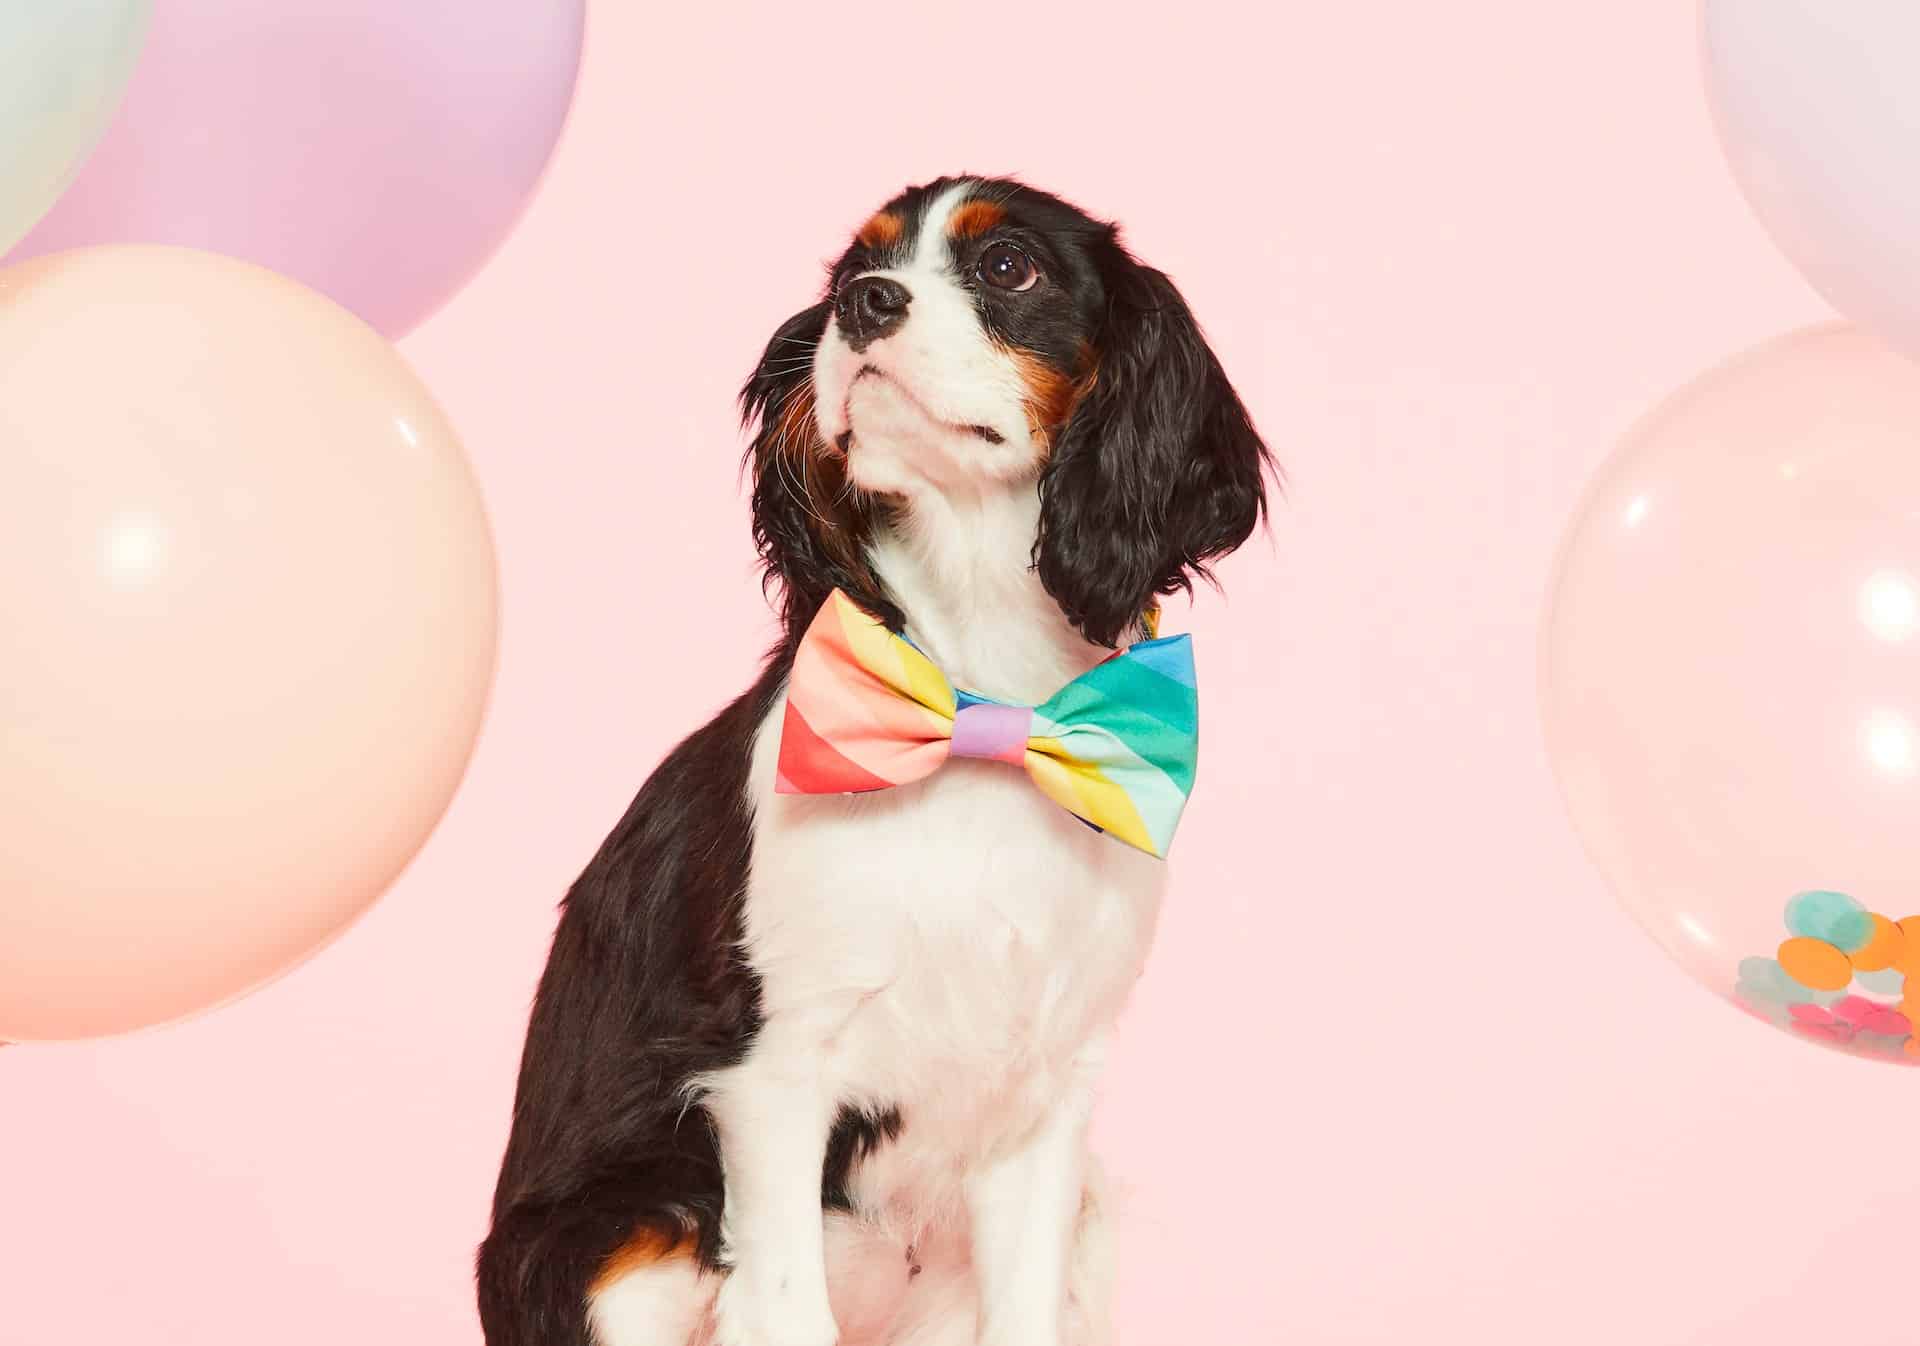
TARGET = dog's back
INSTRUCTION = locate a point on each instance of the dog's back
(644, 989)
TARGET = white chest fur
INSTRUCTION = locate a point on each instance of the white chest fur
(955, 949)
(949, 945)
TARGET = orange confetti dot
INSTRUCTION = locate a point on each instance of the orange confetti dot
(1884, 949)
(1815, 964)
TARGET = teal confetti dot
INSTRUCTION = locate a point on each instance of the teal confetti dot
(1833, 917)
(1760, 969)
(1889, 981)
(1763, 979)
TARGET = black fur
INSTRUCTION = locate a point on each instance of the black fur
(1158, 470)
(644, 989)
(855, 1136)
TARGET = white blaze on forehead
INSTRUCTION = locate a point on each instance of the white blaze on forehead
(931, 250)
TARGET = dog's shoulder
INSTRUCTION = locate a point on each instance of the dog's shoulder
(687, 834)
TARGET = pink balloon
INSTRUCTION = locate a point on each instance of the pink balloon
(377, 150)
(247, 631)
(1730, 680)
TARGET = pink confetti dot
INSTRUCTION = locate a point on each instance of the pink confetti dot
(1890, 1022)
(1856, 1010)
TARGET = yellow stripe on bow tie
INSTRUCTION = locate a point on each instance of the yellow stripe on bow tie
(897, 663)
(1080, 787)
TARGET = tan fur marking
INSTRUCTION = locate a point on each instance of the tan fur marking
(1051, 393)
(882, 231)
(649, 1247)
(975, 218)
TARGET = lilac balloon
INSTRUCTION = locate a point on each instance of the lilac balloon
(378, 150)
(1818, 107)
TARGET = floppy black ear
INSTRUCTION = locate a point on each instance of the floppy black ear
(809, 523)
(1158, 469)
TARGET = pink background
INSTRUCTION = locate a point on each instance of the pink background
(1401, 1070)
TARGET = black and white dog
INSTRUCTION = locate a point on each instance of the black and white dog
(818, 1069)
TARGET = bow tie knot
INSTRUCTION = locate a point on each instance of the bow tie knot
(993, 731)
(1116, 747)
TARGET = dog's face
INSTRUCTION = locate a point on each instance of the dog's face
(963, 318)
(979, 334)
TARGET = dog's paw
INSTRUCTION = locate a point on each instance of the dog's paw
(754, 1309)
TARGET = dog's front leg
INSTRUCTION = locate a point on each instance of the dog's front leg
(773, 1126)
(1025, 1206)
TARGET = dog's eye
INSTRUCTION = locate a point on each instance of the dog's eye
(1007, 268)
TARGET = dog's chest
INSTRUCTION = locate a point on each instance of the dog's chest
(948, 946)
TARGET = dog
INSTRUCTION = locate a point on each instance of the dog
(808, 1068)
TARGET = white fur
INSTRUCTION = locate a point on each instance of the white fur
(957, 948)
(661, 1305)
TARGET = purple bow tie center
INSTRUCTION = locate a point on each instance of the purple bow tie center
(996, 732)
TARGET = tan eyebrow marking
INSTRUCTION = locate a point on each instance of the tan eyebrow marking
(881, 231)
(975, 218)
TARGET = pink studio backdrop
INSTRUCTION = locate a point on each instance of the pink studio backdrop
(1400, 1070)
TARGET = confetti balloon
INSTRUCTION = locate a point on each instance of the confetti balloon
(247, 625)
(1730, 683)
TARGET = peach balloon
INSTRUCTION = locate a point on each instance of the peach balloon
(247, 631)
(1730, 682)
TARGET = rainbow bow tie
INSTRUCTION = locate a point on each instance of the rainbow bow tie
(1116, 746)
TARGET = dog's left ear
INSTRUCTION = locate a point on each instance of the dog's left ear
(809, 522)
(1158, 469)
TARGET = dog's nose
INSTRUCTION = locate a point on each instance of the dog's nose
(871, 307)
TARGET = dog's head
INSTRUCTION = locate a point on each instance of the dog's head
(978, 334)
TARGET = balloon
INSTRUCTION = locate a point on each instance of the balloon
(1818, 108)
(1730, 683)
(63, 67)
(247, 631)
(376, 150)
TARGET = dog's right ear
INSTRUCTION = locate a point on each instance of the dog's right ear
(809, 521)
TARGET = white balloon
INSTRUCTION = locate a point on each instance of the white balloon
(1818, 107)
(63, 66)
